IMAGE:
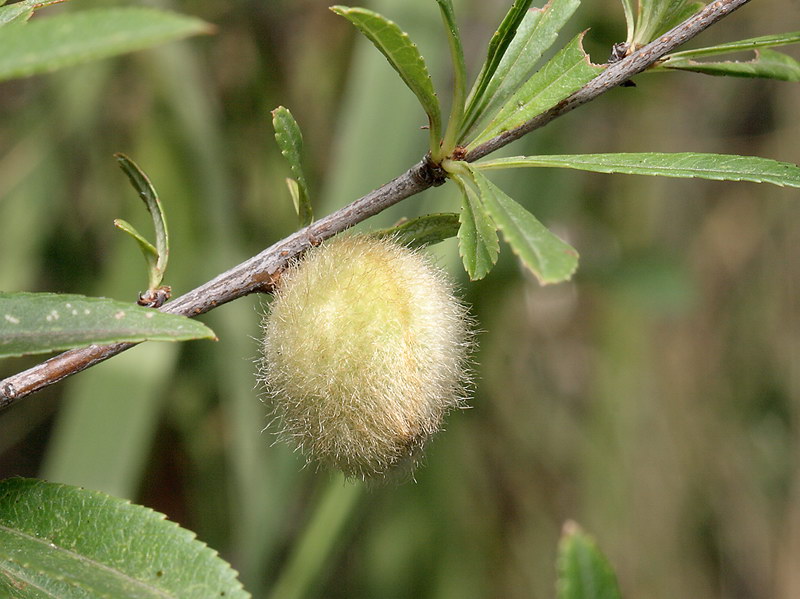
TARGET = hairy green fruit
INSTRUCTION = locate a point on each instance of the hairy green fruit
(365, 350)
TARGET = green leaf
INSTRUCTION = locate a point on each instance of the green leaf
(566, 72)
(583, 571)
(71, 543)
(497, 47)
(659, 16)
(477, 236)
(51, 43)
(404, 57)
(459, 81)
(535, 35)
(20, 12)
(753, 43)
(549, 258)
(630, 19)
(290, 142)
(35, 323)
(10, 14)
(718, 167)
(423, 230)
(767, 64)
(149, 252)
(144, 188)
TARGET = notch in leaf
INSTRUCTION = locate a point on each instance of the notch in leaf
(155, 256)
(290, 141)
(767, 63)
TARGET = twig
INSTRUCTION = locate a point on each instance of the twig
(262, 272)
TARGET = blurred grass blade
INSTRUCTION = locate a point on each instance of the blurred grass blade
(148, 251)
(404, 57)
(324, 533)
(477, 236)
(583, 571)
(459, 80)
(34, 323)
(423, 230)
(718, 167)
(131, 551)
(566, 72)
(753, 43)
(144, 188)
(547, 256)
(536, 33)
(767, 64)
(290, 141)
(52, 43)
(497, 47)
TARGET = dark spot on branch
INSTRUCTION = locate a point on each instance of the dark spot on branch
(429, 173)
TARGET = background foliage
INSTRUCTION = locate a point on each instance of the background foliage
(653, 399)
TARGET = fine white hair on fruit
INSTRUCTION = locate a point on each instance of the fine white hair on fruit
(365, 350)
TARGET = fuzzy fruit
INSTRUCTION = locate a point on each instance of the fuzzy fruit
(365, 350)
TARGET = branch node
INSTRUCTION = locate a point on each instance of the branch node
(429, 173)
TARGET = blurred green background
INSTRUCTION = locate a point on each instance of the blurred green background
(654, 399)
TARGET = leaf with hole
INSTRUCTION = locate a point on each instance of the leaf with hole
(566, 72)
(404, 57)
(718, 167)
(72, 543)
(753, 43)
(477, 235)
(767, 64)
(51, 43)
(290, 141)
(583, 571)
(549, 258)
(35, 323)
(423, 230)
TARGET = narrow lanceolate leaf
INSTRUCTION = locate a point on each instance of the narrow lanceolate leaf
(54, 42)
(719, 167)
(459, 81)
(147, 193)
(583, 571)
(549, 258)
(566, 72)
(290, 142)
(535, 35)
(423, 230)
(404, 57)
(497, 47)
(35, 323)
(767, 64)
(477, 236)
(753, 43)
(71, 543)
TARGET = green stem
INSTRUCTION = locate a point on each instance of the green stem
(312, 552)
